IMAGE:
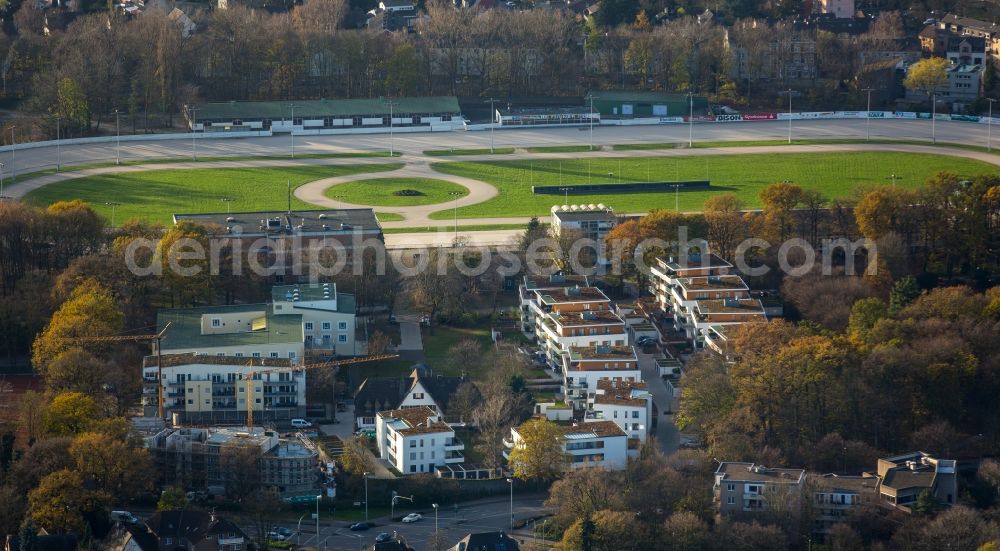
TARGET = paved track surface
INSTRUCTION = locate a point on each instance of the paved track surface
(416, 164)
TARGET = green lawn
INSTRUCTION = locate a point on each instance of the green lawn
(155, 195)
(436, 346)
(382, 192)
(833, 174)
(458, 152)
(388, 217)
(563, 149)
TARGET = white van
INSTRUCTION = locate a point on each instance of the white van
(301, 423)
(124, 516)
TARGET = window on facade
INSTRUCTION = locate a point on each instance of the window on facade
(342, 325)
(731, 500)
(341, 338)
(309, 326)
(413, 443)
(274, 354)
(255, 354)
(238, 354)
(326, 326)
(216, 322)
(730, 487)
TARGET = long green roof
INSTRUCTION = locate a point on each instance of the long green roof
(185, 328)
(308, 109)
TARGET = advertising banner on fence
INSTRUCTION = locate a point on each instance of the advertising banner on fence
(988, 120)
(700, 118)
(760, 116)
(671, 120)
(904, 115)
(850, 115)
(818, 115)
(787, 116)
(728, 118)
(965, 118)
(878, 115)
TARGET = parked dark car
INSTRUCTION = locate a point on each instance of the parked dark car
(360, 526)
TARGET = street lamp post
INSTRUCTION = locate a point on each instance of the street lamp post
(892, 178)
(292, 133)
(456, 194)
(13, 169)
(868, 115)
(194, 126)
(435, 505)
(789, 92)
(677, 197)
(366, 475)
(989, 126)
(591, 97)
(58, 148)
(395, 499)
(113, 205)
(391, 104)
(934, 118)
(493, 122)
(511, 482)
(565, 191)
(1, 180)
(229, 204)
(118, 139)
(317, 519)
(690, 120)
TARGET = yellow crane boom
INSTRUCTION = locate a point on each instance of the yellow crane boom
(155, 338)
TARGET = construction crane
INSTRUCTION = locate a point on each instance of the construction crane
(154, 338)
(248, 375)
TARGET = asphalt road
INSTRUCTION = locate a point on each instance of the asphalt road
(667, 436)
(416, 143)
(479, 516)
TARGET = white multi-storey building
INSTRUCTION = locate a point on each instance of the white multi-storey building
(585, 367)
(701, 293)
(214, 389)
(415, 440)
(574, 316)
(628, 404)
(600, 444)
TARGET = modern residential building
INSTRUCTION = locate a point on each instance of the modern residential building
(599, 444)
(585, 366)
(629, 404)
(215, 458)
(833, 497)
(420, 389)
(312, 318)
(956, 48)
(903, 478)
(532, 283)
(743, 489)
(700, 294)
(963, 85)
(186, 529)
(213, 389)
(574, 316)
(416, 440)
(328, 317)
(589, 221)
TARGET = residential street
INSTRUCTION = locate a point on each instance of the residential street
(480, 516)
(667, 435)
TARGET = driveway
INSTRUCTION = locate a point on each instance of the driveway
(667, 435)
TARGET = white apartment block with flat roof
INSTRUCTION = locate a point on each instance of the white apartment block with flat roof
(701, 293)
(599, 444)
(574, 316)
(585, 367)
(416, 440)
(628, 404)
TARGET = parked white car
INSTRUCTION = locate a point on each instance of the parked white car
(301, 423)
(412, 517)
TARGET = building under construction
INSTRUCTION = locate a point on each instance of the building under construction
(227, 461)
